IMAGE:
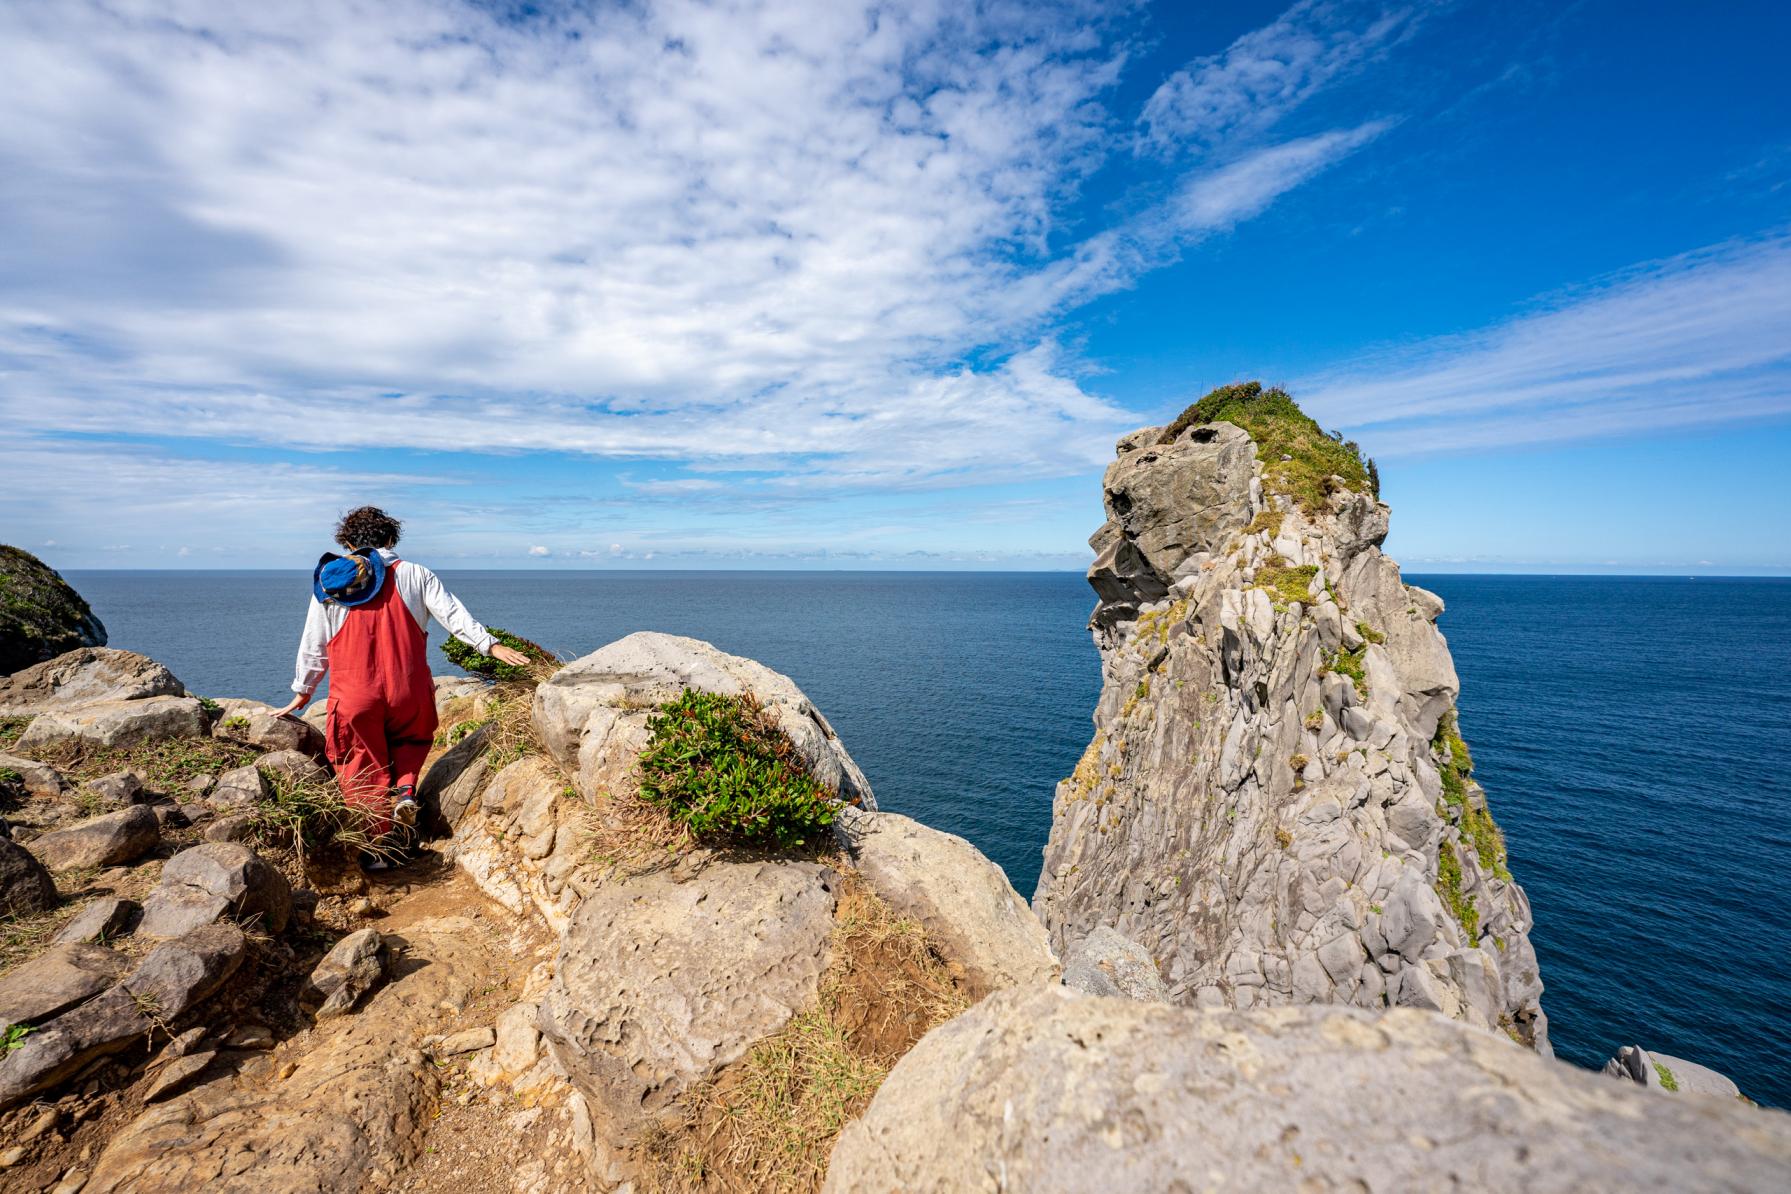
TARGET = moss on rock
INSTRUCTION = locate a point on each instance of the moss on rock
(1298, 457)
(41, 615)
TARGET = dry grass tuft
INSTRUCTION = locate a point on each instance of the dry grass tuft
(164, 765)
(312, 818)
(770, 1121)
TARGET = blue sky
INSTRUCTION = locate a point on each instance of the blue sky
(848, 285)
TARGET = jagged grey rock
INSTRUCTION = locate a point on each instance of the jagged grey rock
(292, 767)
(1650, 1069)
(169, 981)
(594, 710)
(83, 676)
(104, 919)
(239, 790)
(1105, 963)
(41, 615)
(1265, 828)
(206, 882)
(1043, 1089)
(57, 979)
(117, 789)
(454, 779)
(664, 979)
(117, 723)
(256, 724)
(38, 779)
(353, 967)
(109, 839)
(25, 884)
(962, 899)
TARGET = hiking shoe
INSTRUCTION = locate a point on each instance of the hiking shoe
(405, 811)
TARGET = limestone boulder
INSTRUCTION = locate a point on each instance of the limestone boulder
(41, 615)
(102, 920)
(239, 790)
(83, 676)
(1654, 1070)
(454, 779)
(256, 724)
(115, 790)
(25, 884)
(1042, 1089)
(664, 979)
(1107, 963)
(352, 968)
(117, 723)
(37, 779)
(169, 981)
(292, 768)
(110, 839)
(56, 980)
(593, 712)
(957, 894)
(205, 883)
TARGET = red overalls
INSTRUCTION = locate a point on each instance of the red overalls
(382, 702)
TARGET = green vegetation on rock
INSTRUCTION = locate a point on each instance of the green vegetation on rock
(1666, 1077)
(467, 659)
(1281, 429)
(1460, 904)
(721, 767)
(1349, 663)
(1286, 583)
(1476, 823)
(41, 616)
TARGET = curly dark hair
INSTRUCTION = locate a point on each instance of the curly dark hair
(368, 526)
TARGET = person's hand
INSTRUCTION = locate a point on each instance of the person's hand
(509, 655)
(298, 702)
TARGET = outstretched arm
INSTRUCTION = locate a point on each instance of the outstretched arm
(446, 609)
(313, 657)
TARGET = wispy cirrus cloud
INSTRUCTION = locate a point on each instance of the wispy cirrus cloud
(1695, 339)
(1268, 72)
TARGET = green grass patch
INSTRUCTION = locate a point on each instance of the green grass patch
(542, 662)
(720, 767)
(1666, 1077)
(1369, 633)
(12, 729)
(1348, 663)
(1459, 903)
(164, 766)
(1281, 429)
(1286, 583)
(1267, 519)
(1455, 765)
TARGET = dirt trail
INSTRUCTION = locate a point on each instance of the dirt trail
(362, 1101)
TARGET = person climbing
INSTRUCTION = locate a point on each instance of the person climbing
(367, 629)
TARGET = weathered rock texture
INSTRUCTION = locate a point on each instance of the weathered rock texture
(595, 709)
(25, 884)
(117, 723)
(1268, 828)
(1041, 1089)
(41, 616)
(1656, 1070)
(962, 899)
(83, 676)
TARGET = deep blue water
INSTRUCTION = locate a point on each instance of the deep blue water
(1632, 734)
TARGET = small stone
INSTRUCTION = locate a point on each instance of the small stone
(104, 919)
(115, 790)
(198, 786)
(61, 977)
(239, 790)
(231, 827)
(361, 907)
(353, 967)
(184, 1044)
(251, 1036)
(25, 884)
(203, 883)
(177, 1076)
(465, 1042)
(40, 1126)
(12, 1156)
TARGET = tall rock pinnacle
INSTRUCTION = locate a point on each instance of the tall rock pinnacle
(1277, 804)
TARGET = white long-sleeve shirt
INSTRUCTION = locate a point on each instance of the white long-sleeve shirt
(423, 595)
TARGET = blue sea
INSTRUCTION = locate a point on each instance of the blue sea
(1633, 735)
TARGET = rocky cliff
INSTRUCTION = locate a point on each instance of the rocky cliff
(1277, 804)
(41, 616)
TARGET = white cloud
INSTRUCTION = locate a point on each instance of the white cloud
(759, 235)
(1268, 72)
(1219, 200)
(540, 551)
(1699, 338)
